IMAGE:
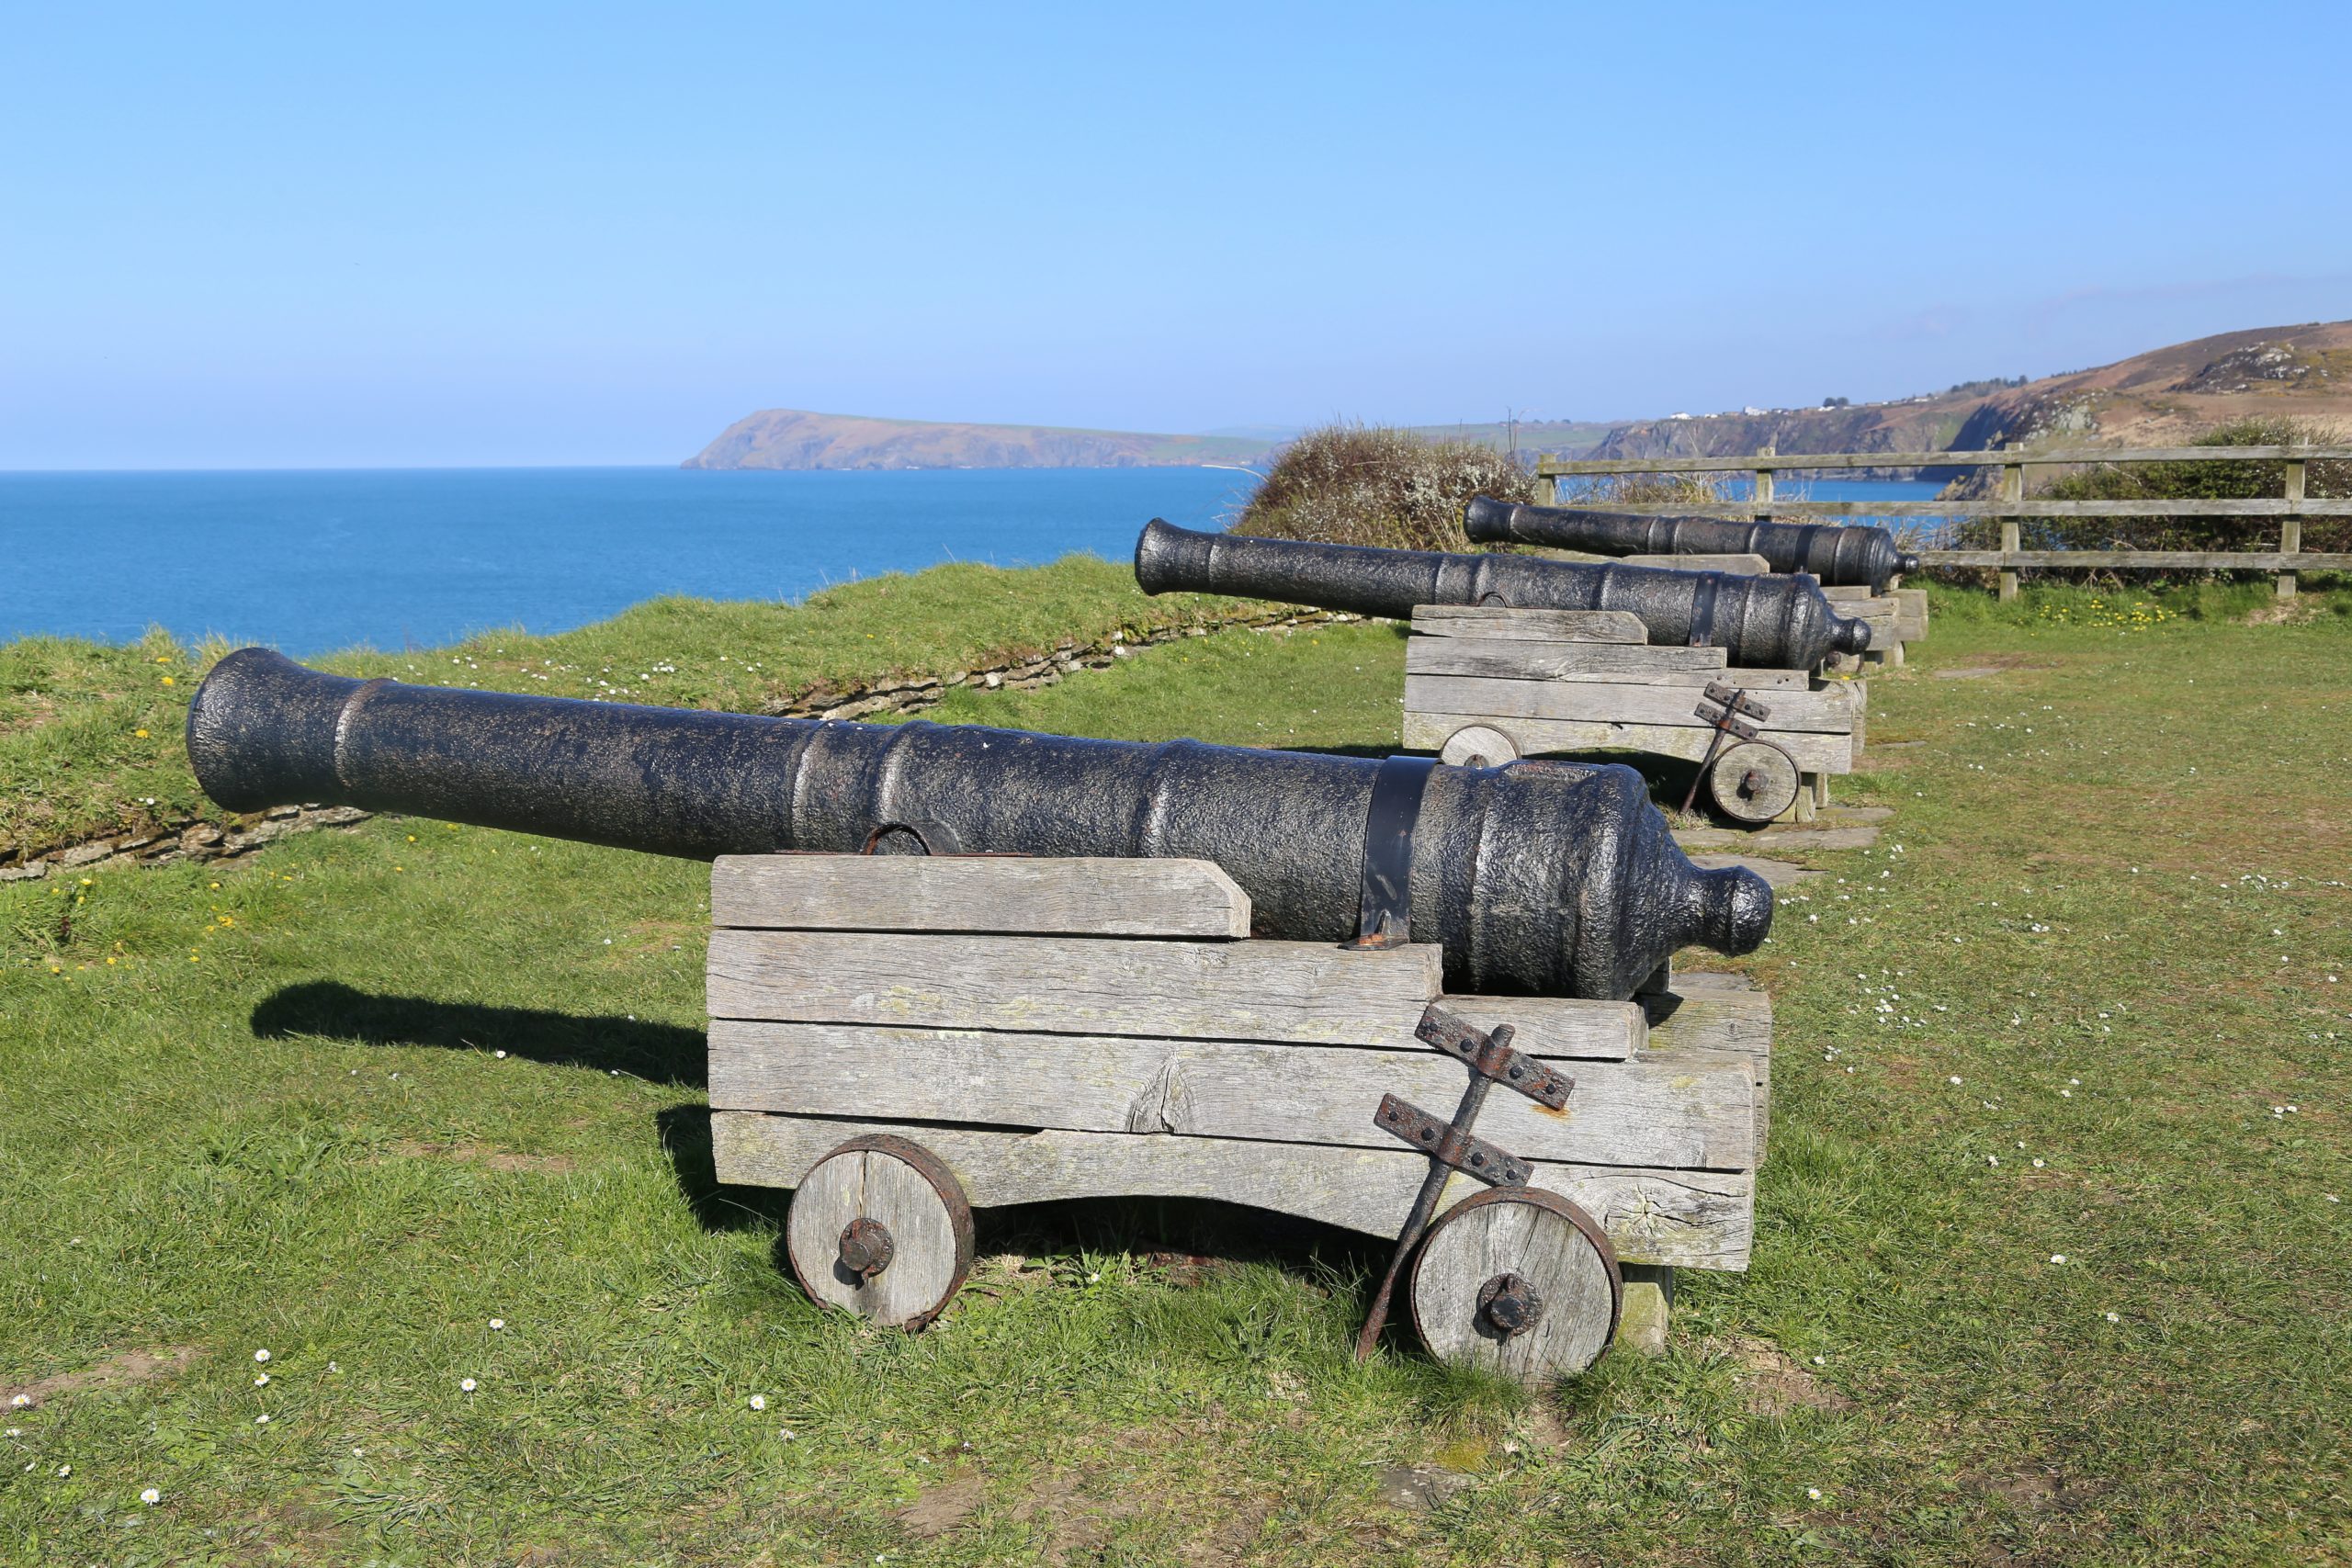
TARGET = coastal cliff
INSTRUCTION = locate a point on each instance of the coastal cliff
(795, 438)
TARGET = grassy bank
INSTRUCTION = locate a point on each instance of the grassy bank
(2059, 1011)
(90, 733)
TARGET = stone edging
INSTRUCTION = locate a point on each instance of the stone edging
(200, 840)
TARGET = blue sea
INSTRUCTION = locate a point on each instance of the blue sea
(313, 560)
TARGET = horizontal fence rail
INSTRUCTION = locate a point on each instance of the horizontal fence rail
(2289, 509)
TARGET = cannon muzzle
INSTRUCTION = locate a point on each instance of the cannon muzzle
(1558, 879)
(1839, 557)
(1778, 623)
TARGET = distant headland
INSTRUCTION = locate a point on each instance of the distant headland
(2163, 396)
(796, 438)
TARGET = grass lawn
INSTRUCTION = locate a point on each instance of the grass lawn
(90, 733)
(356, 1096)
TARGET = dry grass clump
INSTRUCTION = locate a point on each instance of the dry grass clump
(1605, 490)
(1356, 484)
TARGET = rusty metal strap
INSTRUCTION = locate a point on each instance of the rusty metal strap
(1450, 1145)
(1702, 608)
(1384, 911)
(1491, 1056)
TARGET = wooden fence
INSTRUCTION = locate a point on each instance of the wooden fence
(2289, 509)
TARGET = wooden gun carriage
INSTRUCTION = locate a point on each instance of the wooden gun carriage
(900, 1039)
(1498, 685)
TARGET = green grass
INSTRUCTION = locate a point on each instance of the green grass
(277, 1118)
(90, 733)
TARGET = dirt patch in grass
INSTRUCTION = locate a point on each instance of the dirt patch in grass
(1774, 1383)
(942, 1507)
(130, 1367)
(491, 1160)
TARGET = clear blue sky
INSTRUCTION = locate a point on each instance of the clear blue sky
(321, 235)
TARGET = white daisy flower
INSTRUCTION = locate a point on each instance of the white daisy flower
(758, 1402)
(261, 1354)
(150, 1495)
(466, 1384)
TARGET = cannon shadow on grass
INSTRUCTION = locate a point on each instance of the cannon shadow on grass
(658, 1053)
(1184, 1236)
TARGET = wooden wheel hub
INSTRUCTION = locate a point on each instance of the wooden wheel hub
(880, 1227)
(1519, 1280)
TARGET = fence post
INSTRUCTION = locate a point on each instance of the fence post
(2012, 491)
(1548, 486)
(1763, 496)
(2290, 529)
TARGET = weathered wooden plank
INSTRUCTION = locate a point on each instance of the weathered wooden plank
(1002, 894)
(2218, 561)
(1503, 658)
(1560, 1026)
(1824, 711)
(1304, 991)
(1714, 1014)
(1556, 468)
(1696, 1017)
(1278, 991)
(1736, 565)
(1856, 599)
(1524, 659)
(1911, 614)
(1427, 731)
(1546, 626)
(1694, 1111)
(2262, 507)
(1688, 1219)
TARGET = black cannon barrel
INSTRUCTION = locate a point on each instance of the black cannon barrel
(1556, 879)
(1840, 558)
(1777, 622)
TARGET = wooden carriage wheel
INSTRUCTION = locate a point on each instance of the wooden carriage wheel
(1753, 782)
(1519, 1280)
(1479, 746)
(881, 1228)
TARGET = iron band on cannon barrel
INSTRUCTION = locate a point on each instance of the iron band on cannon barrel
(1840, 557)
(1558, 880)
(1779, 623)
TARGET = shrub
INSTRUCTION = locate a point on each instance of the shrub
(1355, 484)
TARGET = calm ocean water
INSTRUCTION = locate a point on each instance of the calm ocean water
(322, 559)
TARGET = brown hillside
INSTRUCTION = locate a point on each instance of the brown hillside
(2157, 398)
